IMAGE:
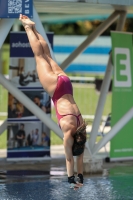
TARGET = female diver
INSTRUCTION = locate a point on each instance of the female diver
(57, 84)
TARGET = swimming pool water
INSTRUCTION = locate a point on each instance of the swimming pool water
(95, 188)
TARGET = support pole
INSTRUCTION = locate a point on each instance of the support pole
(30, 105)
(41, 30)
(0, 61)
(104, 89)
(117, 127)
(5, 26)
(3, 127)
(90, 39)
(101, 102)
(88, 149)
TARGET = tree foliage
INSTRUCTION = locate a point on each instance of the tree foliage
(86, 27)
(82, 28)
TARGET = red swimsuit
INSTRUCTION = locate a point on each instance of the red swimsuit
(63, 87)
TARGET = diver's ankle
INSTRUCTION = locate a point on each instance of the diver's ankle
(71, 179)
(80, 178)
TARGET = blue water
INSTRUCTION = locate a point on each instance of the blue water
(95, 188)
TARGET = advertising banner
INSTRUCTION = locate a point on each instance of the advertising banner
(28, 138)
(13, 8)
(122, 97)
(22, 69)
(18, 112)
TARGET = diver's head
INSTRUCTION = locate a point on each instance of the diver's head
(79, 140)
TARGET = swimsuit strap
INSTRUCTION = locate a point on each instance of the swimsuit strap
(77, 116)
(78, 121)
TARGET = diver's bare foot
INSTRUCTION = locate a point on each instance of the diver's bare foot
(26, 21)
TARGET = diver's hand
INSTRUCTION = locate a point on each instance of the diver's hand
(75, 186)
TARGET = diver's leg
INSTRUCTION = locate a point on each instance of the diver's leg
(46, 75)
(46, 52)
(56, 69)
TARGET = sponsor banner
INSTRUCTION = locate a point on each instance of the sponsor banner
(22, 69)
(17, 111)
(122, 51)
(23, 74)
(13, 8)
(20, 46)
(28, 137)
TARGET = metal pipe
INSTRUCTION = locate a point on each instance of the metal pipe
(30, 105)
(117, 127)
(104, 89)
(121, 21)
(101, 102)
(5, 26)
(41, 30)
(90, 38)
(88, 148)
(3, 127)
(0, 61)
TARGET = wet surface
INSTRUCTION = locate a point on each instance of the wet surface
(95, 188)
(52, 185)
(25, 173)
(11, 176)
